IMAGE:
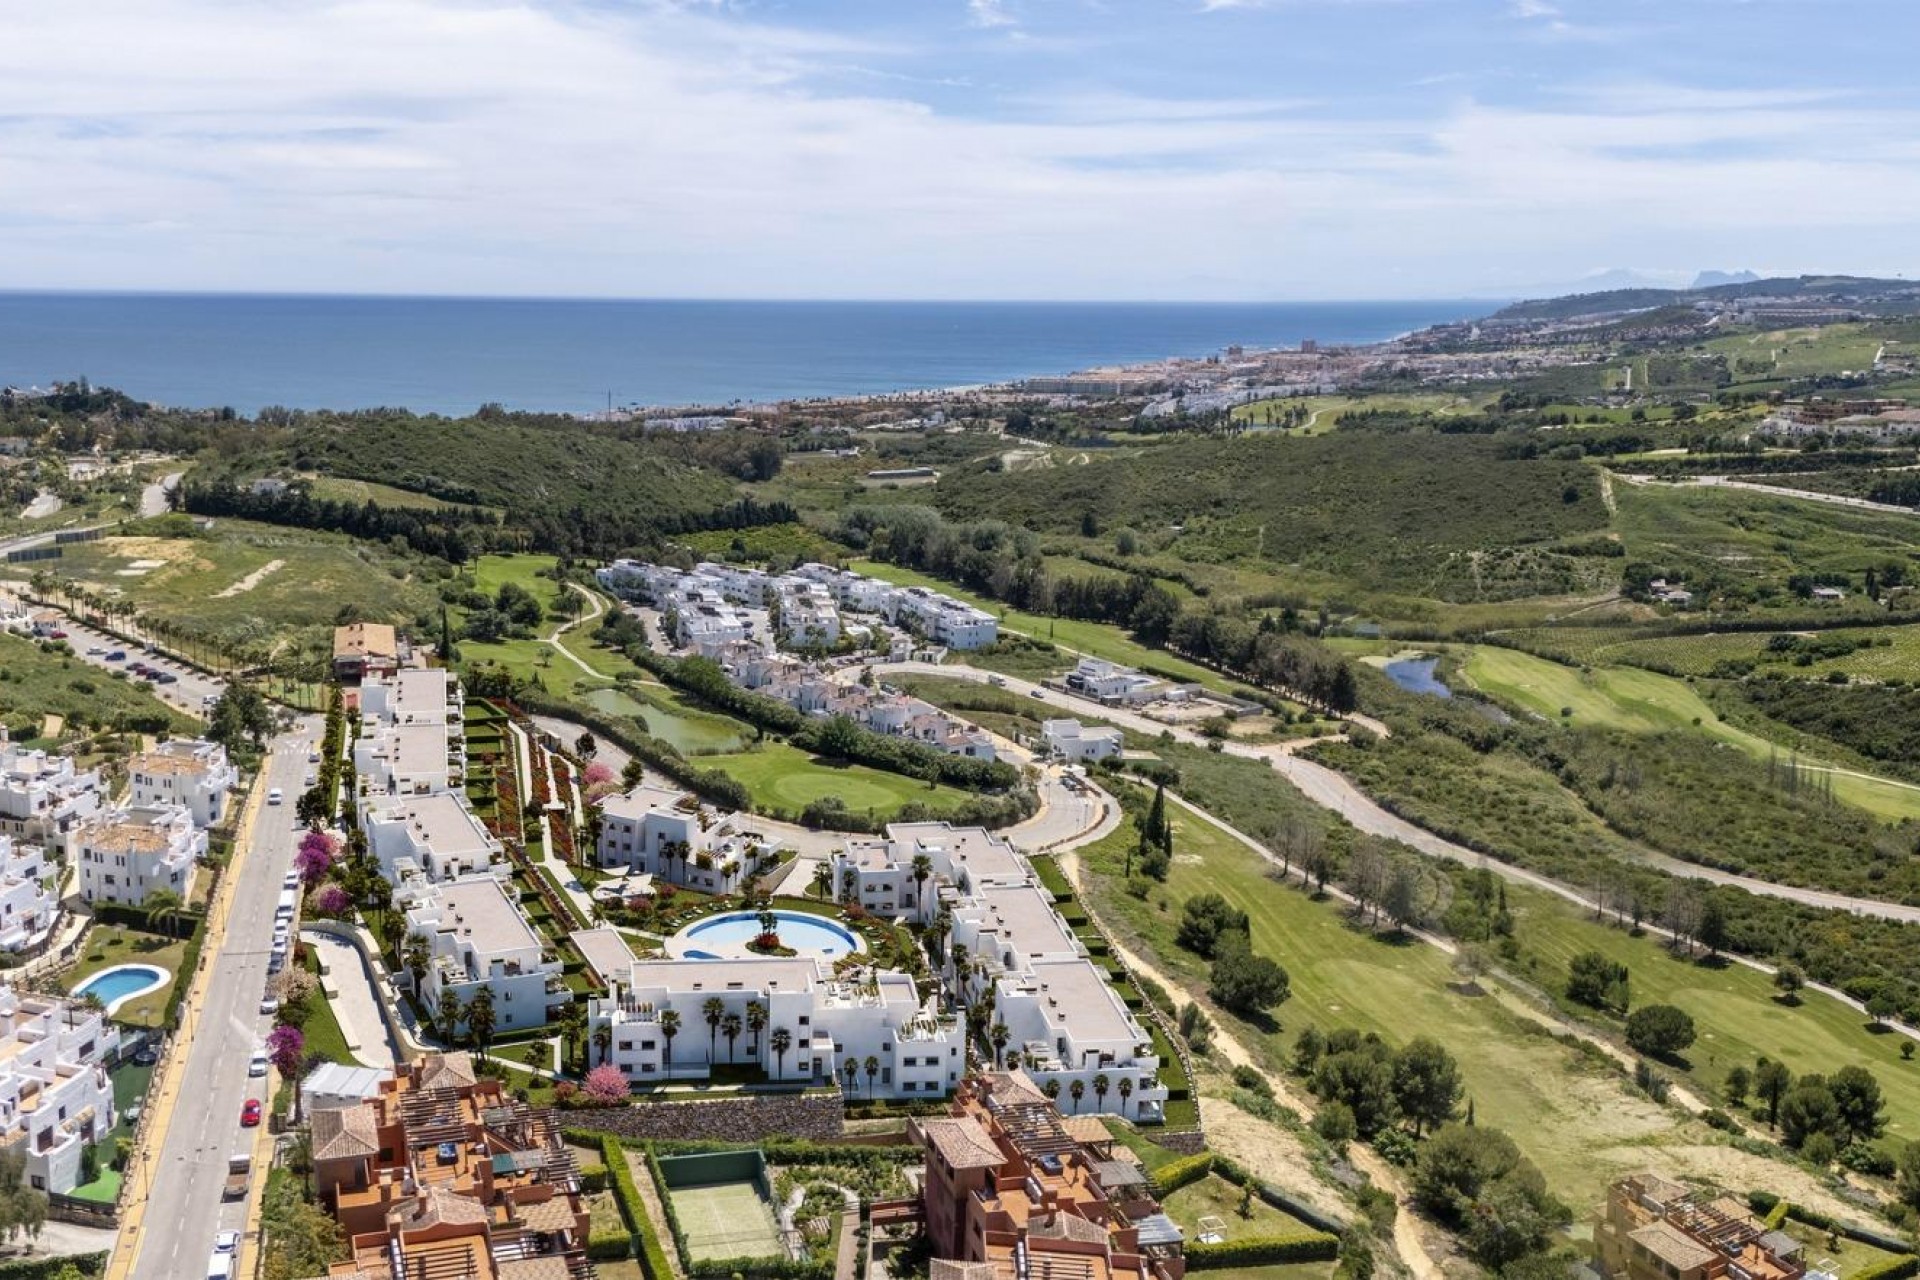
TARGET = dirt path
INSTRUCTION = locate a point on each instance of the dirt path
(552, 638)
(251, 581)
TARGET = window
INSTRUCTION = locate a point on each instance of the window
(646, 1046)
(806, 1020)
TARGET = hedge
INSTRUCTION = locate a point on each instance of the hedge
(606, 1246)
(91, 1264)
(183, 977)
(1261, 1251)
(626, 1196)
(1175, 1174)
(1777, 1216)
(1768, 1205)
(593, 1177)
(1892, 1269)
(1274, 1196)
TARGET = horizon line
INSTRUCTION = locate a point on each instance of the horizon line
(8, 291)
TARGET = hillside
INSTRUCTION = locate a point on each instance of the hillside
(1454, 516)
(1884, 296)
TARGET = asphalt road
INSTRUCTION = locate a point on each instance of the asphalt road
(188, 1174)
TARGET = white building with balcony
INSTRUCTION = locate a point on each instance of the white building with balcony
(43, 797)
(478, 938)
(671, 835)
(186, 771)
(828, 1022)
(127, 854)
(415, 695)
(1071, 740)
(881, 874)
(1105, 681)
(436, 836)
(55, 1098)
(28, 905)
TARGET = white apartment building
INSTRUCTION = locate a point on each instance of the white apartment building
(1065, 1019)
(1071, 740)
(1105, 681)
(479, 938)
(28, 905)
(436, 836)
(670, 834)
(408, 759)
(414, 695)
(128, 853)
(42, 797)
(944, 620)
(808, 615)
(186, 771)
(830, 1021)
(55, 1098)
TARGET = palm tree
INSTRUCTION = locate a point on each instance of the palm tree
(713, 1010)
(1052, 1089)
(780, 1041)
(999, 1037)
(756, 1023)
(959, 958)
(573, 1026)
(850, 1069)
(922, 870)
(1100, 1086)
(669, 1027)
(480, 1019)
(603, 1041)
(1126, 1092)
(730, 1027)
(1013, 1059)
(449, 1015)
(416, 956)
(164, 909)
(1079, 1091)
(872, 1064)
(849, 884)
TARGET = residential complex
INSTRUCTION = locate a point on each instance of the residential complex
(444, 1174)
(436, 836)
(28, 905)
(55, 1098)
(1009, 1193)
(190, 772)
(128, 854)
(1110, 682)
(1006, 943)
(1655, 1229)
(411, 740)
(829, 1022)
(478, 937)
(42, 796)
(672, 835)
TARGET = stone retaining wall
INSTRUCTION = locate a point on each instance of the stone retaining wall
(745, 1118)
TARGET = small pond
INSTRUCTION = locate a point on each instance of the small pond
(1415, 675)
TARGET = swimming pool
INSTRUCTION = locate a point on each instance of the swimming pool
(725, 937)
(122, 983)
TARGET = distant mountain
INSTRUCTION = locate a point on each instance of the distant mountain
(1714, 279)
(1867, 293)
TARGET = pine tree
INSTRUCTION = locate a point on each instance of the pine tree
(1157, 816)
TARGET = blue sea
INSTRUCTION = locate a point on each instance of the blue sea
(451, 355)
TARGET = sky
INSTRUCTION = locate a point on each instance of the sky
(1230, 150)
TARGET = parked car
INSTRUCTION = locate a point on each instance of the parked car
(269, 1006)
(274, 796)
(250, 1113)
(95, 650)
(56, 634)
(226, 1242)
(118, 655)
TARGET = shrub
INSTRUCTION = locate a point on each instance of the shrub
(1660, 1030)
(1335, 1123)
(1172, 1176)
(1264, 1251)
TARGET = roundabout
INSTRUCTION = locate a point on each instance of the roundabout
(734, 935)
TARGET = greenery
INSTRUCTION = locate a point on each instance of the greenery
(43, 682)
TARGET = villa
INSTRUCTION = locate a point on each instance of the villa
(55, 1098)
(828, 1022)
(670, 834)
(28, 907)
(128, 854)
(479, 938)
(362, 649)
(42, 797)
(185, 771)
(1110, 682)
(436, 836)
(1071, 740)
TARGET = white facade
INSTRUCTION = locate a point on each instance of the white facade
(129, 853)
(28, 907)
(670, 834)
(416, 695)
(879, 873)
(944, 620)
(412, 740)
(808, 615)
(479, 938)
(437, 836)
(1110, 682)
(55, 1098)
(829, 1022)
(190, 772)
(1071, 740)
(43, 797)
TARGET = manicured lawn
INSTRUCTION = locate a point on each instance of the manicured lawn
(667, 717)
(1574, 1119)
(788, 779)
(321, 1028)
(112, 944)
(1645, 701)
(1214, 1196)
(1733, 1007)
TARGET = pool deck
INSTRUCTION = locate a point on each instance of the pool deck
(688, 945)
(159, 977)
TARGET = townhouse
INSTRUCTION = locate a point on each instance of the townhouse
(128, 854)
(190, 772)
(817, 1024)
(55, 1098)
(478, 937)
(362, 649)
(672, 835)
(28, 903)
(43, 797)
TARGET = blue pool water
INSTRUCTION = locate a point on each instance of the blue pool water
(122, 983)
(720, 937)
(1415, 675)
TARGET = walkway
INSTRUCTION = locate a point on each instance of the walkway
(355, 1002)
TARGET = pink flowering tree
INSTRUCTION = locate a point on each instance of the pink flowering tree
(606, 1084)
(332, 900)
(599, 781)
(314, 858)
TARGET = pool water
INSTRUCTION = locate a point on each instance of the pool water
(122, 983)
(726, 937)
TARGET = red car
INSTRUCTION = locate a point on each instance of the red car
(250, 1113)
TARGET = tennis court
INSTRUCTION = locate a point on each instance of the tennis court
(727, 1220)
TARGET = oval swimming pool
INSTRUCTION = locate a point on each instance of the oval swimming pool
(725, 937)
(123, 982)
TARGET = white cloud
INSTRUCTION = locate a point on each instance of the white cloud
(990, 13)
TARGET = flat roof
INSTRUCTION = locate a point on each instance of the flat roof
(1084, 1001)
(605, 951)
(715, 976)
(1024, 917)
(482, 904)
(442, 822)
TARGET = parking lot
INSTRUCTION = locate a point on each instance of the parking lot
(174, 682)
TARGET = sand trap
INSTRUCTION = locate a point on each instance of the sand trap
(249, 582)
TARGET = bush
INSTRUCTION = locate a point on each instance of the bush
(1335, 1123)
(91, 1264)
(1264, 1251)
(1172, 1176)
(1892, 1269)
(1660, 1030)
(605, 1246)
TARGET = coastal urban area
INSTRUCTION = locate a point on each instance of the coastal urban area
(1436, 808)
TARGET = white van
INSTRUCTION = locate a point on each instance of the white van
(273, 795)
(220, 1266)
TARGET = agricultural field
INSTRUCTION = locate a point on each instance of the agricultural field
(1571, 1114)
(1799, 353)
(250, 584)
